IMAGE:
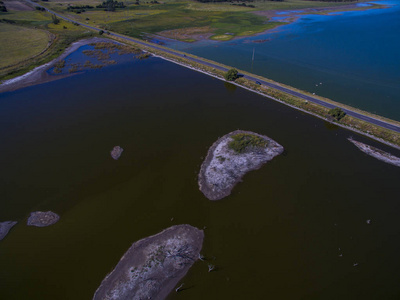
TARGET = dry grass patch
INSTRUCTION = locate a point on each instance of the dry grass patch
(191, 33)
(222, 37)
(17, 6)
(215, 7)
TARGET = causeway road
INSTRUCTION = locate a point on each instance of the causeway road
(249, 77)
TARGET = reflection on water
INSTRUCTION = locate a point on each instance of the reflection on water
(230, 88)
(291, 230)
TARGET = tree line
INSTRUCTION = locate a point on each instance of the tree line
(111, 5)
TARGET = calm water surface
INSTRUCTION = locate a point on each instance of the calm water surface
(350, 57)
(278, 236)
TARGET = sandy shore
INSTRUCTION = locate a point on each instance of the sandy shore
(39, 74)
(377, 153)
(153, 266)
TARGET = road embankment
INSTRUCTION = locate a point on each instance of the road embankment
(376, 127)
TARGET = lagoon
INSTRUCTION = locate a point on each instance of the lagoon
(291, 230)
(350, 57)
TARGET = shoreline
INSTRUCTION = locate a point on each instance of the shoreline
(27, 79)
(377, 139)
(39, 75)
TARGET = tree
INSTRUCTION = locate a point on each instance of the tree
(101, 32)
(55, 19)
(111, 5)
(337, 113)
(2, 7)
(231, 75)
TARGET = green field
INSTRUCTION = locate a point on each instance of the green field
(183, 20)
(30, 39)
(224, 20)
(20, 43)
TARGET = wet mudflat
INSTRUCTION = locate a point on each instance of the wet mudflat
(294, 229)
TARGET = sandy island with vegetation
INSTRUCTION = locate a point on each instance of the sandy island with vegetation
(153, 266)
(377, 153)
(231, 157)
(5, 228)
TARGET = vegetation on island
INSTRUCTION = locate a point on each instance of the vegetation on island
(242, 142)
(231, 75)
(102, 53)
(337, 113)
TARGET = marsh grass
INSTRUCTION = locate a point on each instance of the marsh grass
(224, 25)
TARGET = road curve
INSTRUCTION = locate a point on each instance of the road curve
(209, 64)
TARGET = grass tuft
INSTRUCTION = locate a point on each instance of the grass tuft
(245, 141)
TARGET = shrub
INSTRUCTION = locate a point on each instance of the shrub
(231, 75)
(337, 113)
(101, 32)
(243, 141)
(55, 19)
(144, 55)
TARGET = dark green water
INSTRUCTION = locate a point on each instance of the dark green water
(276, 237)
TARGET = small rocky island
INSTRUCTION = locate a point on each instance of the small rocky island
(42, 219)
(152, 267)
(5, 228)
(377, 153)
(116, 152)
(231, 157)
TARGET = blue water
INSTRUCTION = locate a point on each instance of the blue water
(350, 57)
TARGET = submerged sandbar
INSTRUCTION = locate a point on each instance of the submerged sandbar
(377, 153)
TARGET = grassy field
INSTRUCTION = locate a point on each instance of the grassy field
(220, 23)
(20, 43)
(25, 34)
(224, 20)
